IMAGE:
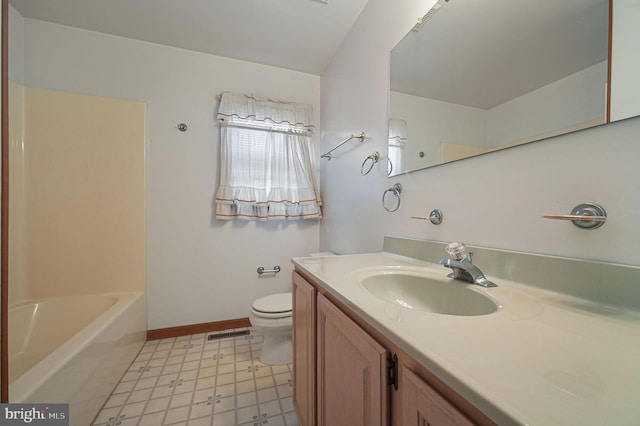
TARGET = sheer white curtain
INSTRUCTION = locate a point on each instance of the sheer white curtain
(266, 168)
(397, 142)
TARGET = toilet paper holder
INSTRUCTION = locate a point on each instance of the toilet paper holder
(275, 270)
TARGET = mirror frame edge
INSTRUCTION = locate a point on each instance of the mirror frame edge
(609, 67)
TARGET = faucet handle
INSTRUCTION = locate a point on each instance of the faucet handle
(456, 250)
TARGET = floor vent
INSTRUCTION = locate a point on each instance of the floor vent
(224, 334)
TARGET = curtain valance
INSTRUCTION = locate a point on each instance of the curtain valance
(239, 108)
(397, 131)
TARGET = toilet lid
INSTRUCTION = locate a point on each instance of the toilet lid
(274, 303)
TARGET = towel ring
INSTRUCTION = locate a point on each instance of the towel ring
(395, 190)
(374, 159)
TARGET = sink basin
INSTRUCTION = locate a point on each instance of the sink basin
(424, 293)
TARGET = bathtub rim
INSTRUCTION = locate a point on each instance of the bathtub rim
(28, 303)
(22, 303)
(28, 383)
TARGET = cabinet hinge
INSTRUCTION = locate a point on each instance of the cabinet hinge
(392, 371)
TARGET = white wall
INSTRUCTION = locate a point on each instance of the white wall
(199, 269)
(431, 123)
(625, 86)
(574, 102)
(575, 99)
(16, 46)
(494, 200)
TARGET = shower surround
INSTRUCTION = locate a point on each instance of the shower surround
(77, 297)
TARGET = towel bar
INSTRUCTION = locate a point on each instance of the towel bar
(328, 153)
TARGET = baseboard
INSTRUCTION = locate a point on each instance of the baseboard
(206, 327)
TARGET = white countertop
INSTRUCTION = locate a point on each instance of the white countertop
(543, 359)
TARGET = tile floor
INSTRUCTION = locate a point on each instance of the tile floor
(193, 381)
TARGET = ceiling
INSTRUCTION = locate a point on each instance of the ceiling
(301, 35)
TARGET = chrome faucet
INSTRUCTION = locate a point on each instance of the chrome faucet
(463, 267)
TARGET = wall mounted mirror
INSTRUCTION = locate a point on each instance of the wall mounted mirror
(475, 77)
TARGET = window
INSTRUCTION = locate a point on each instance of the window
(266, 169)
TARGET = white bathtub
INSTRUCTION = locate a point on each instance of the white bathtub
(74, 349)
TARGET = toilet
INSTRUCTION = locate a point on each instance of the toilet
(271, 317)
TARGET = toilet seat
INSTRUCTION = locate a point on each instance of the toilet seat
(273, 306)
(272, 317)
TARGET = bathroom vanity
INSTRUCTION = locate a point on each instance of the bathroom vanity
(368, 348)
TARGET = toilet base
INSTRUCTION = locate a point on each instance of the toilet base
(276, 349)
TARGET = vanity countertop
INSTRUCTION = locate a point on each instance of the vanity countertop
(544, 358)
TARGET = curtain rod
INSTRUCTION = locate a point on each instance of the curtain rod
(219, 98)
(224, 123)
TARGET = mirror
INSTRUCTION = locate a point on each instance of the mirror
(474, 77)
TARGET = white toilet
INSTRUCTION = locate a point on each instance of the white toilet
(271, 317)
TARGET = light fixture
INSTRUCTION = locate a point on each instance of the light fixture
(428, 15)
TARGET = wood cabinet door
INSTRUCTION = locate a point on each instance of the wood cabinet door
(304, 350)
(423, 406)
(352, 387)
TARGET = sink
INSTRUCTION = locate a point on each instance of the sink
(429, 294)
